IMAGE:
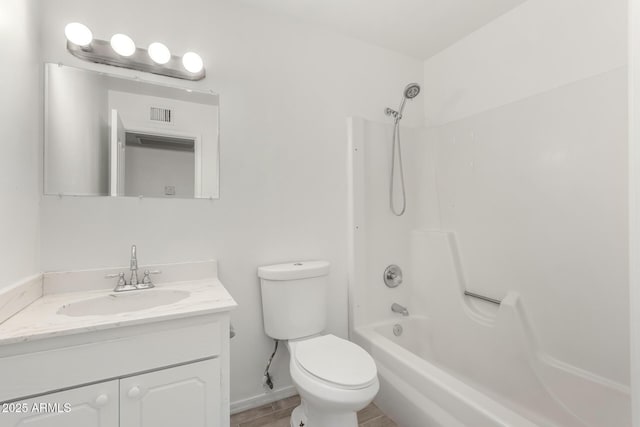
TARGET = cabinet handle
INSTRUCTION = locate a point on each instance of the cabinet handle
(134, 392)
(102, 400)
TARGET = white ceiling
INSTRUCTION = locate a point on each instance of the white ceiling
(418, 28)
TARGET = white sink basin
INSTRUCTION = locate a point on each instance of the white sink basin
(123, 302)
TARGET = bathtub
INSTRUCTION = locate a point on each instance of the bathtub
(429, 378)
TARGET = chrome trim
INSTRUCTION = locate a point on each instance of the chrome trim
(392, 276)
(100, 51)
(400, 309)
(483, 298)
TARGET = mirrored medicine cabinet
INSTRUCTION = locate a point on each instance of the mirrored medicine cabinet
(108, 135)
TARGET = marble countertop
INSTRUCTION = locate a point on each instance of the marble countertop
(41, 320)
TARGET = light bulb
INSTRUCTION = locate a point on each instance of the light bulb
(192, 62)
(78, 33)
(123, 45)
(159, 53)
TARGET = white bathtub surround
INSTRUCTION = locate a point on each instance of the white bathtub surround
(14, 298)
(528, 188)
(378, 238)
(474, 343)
(531, 175)
(112, 356)
(418, 383)
(417, 392)
(474, 362)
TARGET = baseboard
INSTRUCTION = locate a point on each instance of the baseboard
(262, 399)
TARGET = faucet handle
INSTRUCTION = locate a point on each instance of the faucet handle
(120, 276)
(122, 283)
(146, 280)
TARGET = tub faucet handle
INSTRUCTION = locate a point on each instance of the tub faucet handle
(392, 276)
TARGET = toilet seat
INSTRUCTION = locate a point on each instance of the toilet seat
(336, 361)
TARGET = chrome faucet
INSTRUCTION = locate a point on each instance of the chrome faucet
(134, 283)
(122, 283)
(397, 308)
(133, 266)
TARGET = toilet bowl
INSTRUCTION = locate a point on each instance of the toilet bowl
(334, 377)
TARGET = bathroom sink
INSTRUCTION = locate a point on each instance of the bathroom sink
(124, 302)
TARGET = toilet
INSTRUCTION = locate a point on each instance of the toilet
(334, 377)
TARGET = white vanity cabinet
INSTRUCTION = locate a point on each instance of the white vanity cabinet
(184, 395)
(168, 373)
(180, 396)
(89, 406)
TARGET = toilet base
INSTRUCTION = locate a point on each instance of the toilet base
(311, 418)
(298, 417)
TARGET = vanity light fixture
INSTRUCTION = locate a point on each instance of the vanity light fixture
(78, 33)
(121, 51)
(192, 62)
(159, 53)
(123, 45)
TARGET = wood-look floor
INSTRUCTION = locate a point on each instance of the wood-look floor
(277, 414)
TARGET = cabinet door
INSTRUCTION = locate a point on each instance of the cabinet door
(187, 395)
(90, 406)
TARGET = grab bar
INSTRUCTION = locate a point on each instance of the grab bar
(482, 297)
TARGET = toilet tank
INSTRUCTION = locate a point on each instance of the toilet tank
(294, 300)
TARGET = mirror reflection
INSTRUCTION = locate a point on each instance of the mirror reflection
(113, 136)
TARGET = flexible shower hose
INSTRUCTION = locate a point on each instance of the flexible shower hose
(396, 142)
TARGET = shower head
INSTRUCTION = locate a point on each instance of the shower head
(412, 90)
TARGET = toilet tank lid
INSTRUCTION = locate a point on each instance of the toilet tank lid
(294, 270)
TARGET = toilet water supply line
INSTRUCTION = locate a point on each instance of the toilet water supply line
(266, 378)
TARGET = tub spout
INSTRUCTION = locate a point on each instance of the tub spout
(397, 308)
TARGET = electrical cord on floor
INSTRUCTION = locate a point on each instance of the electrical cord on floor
(267, 376)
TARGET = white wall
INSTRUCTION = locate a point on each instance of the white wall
(19, 131)
(634, 201)
(150, 170)
(286, 89)
(538, 46)
(530, 118)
